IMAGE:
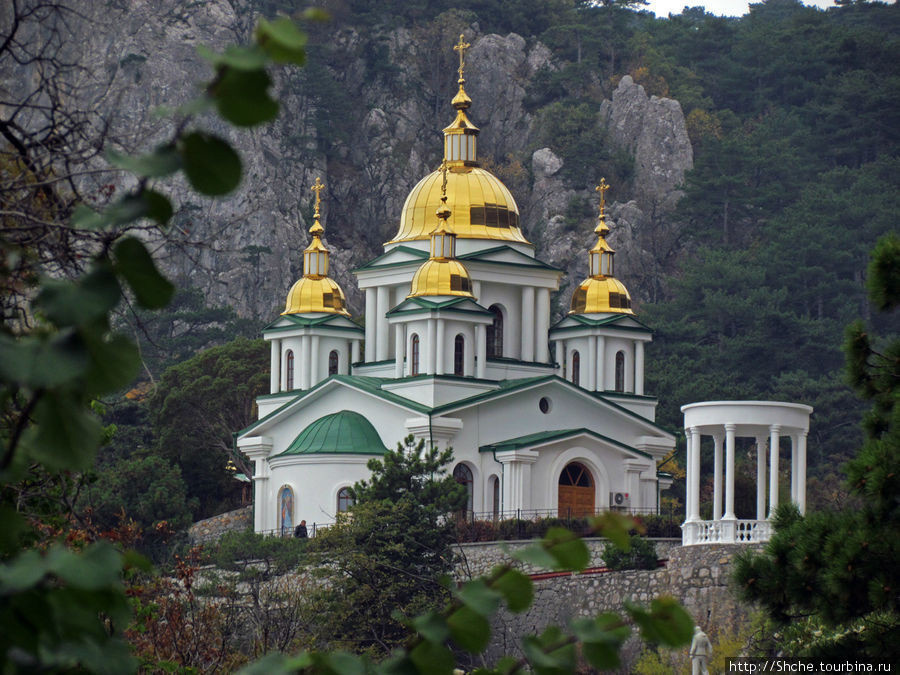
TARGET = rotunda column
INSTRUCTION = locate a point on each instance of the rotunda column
(542, 330)
(729, 472)
(527, 323)
(717, 476)
(801, 471)
(793, 438)
(371, 321)
(381, 323)
(760, 477)
(774, 442)
(694, 473)
(639, 369)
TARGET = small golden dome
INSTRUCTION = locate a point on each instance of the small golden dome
(601, 295)
(482, 206)
(309, 295)
(441, 277)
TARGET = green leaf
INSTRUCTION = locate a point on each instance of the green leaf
(432, 626)
(557, 661)
(469, 630)
(601, 638)
(282, 40)
(211, 165)
(517, 589)
(242, 97)
(536, 555)
(159, 208)
(278, 664)
(567, 548)
(115, 362)
(86, 218)
(431, 657)
(21, 573)
(97, 568)
(478, 597)
(151, 289)
(667, 623)
(38, 362)
(13, 526)
(163, 161)
(65, 434)
(78, 303)
(615, 527)
(243, 58)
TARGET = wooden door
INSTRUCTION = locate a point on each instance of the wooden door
(576, 491)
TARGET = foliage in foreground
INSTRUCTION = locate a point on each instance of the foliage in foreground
(837, 573)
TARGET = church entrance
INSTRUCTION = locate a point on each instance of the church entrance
(576, 491)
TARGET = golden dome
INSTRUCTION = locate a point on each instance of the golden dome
(441, 277)
(482, 207)
(316, 291)
(309, 295)
(601, 295)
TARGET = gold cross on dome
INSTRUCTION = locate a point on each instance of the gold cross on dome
(444, 167)
(317, 188)
(461, 48)
(602, 188)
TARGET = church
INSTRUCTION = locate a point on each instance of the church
(458, 350)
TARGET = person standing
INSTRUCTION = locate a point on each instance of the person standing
(300, 530)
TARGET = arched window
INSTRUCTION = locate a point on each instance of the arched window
(344, 500)
(620, 371)
(333, 362)
(414, 355)
(576, 368)
(495, 333)
(463, 476)
(286, 514)
(289, 369)
(459, 354)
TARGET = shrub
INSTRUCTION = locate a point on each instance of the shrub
(642, 555)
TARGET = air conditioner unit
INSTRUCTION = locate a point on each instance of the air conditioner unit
(619, 500)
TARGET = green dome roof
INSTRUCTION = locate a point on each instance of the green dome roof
(344, 432)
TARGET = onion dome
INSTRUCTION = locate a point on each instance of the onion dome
(481, 206)
(345, 432)
(442, 273)
(316, 292)
(601, 292)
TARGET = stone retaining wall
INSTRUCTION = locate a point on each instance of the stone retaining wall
(211, 529)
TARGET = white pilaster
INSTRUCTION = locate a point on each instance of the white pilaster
(774, 442)
(258, 449)
(480, 350)
(440, 350)
(275, 367)
(729, 472)
(476, 290)
(469, 360)
(354, 355)
(314, 361)
(601, 363)
(542, 327)
(591, 380)
(694, 473)
(801, 471)
(399, 349)
(717, 476)
(793, 438)
(527, 323)
(430, 350)
(302, 364)
(371, 323)
(760, 477)
(381, 322)
(517, 478)
(639, 368)
(284, 369)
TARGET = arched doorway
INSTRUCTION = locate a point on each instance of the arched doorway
(576, 491)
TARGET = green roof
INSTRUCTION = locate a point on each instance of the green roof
(607, 321)
(548, 436)
(345, 432)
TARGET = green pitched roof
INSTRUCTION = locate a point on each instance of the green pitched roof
(548, 436)
(344, 432)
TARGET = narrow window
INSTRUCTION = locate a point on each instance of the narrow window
(333, 362)
(459, 354)
(620, 371)
(576, 368)
(463, 476)
(344, 500)
(414, 356)
(290, 369)
(495, 333)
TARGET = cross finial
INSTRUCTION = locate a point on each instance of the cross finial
(461, 47)
(444, 167)
(602, 188)
(317, 188)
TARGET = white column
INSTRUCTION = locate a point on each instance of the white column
(371, 323)
(760, 477)
(527, 323)
(480, 350)
(639, 368)
(275, 367)
(303, 363)
(381, 331)
(260, 487)
(561, 355)
(717, 476)
(399, 349)
(542, 328)
(440, 350)
(282, 359)
(314, 359)
(774, 442)
(801, 471)
(469, 359)
(601, 363)
(354, 355)
(591, 380)
(729, 472)
(517, 478)
(793, 438)
(430, 350)
(694, 473)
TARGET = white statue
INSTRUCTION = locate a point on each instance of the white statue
(701, 650)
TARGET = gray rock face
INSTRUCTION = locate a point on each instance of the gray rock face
(369, 126)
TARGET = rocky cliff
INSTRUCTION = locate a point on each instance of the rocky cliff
(365, 115)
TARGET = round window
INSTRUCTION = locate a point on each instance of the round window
(544, 404)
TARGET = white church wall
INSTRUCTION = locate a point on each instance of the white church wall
(509, 298)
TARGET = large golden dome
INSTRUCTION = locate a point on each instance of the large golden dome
(482, 207)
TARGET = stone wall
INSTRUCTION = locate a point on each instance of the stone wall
(211, 529)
